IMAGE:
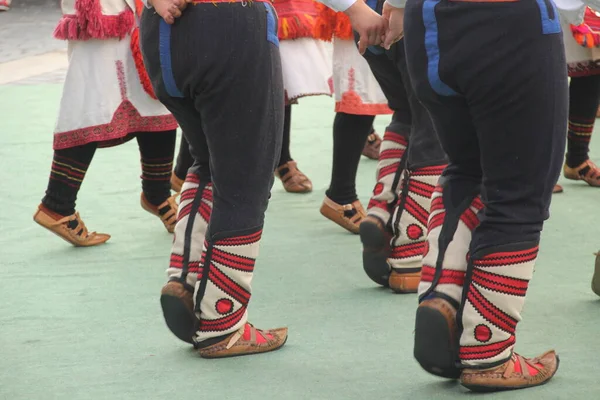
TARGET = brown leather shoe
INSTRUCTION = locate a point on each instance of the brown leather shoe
(177, 304)
(166, 211)
(436, 338)
(557, 189)
(596, 277)
(517, 373)
(294, 181)
(247, 340)
(375, 239)
(372, 146)
(348, 216)
(587, 172)
(404, 282)
(71, 228)
(176, 183)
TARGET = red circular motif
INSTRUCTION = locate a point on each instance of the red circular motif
(224, 306)
(483, 333)
(378, 189)
(414, 232)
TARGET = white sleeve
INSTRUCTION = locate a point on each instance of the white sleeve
(396, 3)
(338, 5)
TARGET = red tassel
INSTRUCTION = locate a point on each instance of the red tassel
(139, 63)
(89, 23)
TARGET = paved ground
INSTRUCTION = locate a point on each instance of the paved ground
(28, 52)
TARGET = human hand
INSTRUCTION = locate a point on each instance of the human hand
(169, 9)
(370, 26)
(395, 18)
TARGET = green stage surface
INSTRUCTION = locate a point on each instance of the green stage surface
(86, 323)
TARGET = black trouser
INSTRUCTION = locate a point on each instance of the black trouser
(217, 69)
(493, 77)
(391, 72)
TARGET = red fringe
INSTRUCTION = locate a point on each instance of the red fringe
(330, 23)
(139, 63)
(89, 23)
(296, 18)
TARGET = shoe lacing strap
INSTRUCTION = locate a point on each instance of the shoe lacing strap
(169, 217)
(524, 363)
(293, 174)
(253, 332)
(80, 229)
(590, 171)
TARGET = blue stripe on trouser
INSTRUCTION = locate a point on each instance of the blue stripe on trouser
(271, 24)
(549, 25)
(164, 47)
(433, 50)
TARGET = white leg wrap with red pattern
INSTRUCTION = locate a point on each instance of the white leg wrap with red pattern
(410, 218)
(178, 265)
(384, 197)
(454, 264)
(493, 305)
(229, 265)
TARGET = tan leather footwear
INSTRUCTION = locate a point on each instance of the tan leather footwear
(596, 277)
(176, 183)
(587, 172)
(71, 228)
(177, 303)
(557, 189)
(294, 181)
(404, 282)
(166, 211)
(247, 340)
(517, 373)
(436, 338)
(372, 146)
(375, 239)
(348, 216)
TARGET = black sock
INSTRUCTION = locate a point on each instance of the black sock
(349, 136)
(184, 159)
(584, 96)
(68, 171)
(156, 150)
(285, 145)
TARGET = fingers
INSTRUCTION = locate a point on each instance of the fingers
(174, 11)
(362, 45)
(390, 38)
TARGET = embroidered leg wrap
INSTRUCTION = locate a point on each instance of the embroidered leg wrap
(454, 207)
(223, 289)
(376, 229)
(190, 230)
(192, 220)
(410, 228)
(389, 172)
(496, 285)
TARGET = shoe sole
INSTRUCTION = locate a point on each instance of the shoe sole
(489, 389)
(247, 354)
(434, 349)
(178, 318)
(374, 262)
(596, 277)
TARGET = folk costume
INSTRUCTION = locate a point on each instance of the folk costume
(410, 163)
(107, 100)
(491, 74)
(358, 99)
(582, 47)
(219, 56)
(306, 68)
